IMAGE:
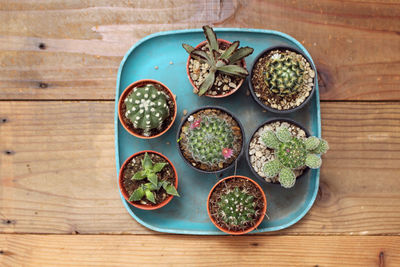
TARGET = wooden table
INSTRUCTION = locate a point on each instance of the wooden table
(59, 201)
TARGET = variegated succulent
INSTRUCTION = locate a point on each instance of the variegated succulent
(224, 62)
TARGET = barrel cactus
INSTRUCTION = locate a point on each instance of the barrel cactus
(210, 140)
(291, 153)
(284, 73)
(146, 108)
(236, 207)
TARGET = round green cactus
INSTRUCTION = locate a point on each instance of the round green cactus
(284, 73)
(287, 178)
(210, 140)
(292, 154)
(236, 207)
(146, 107)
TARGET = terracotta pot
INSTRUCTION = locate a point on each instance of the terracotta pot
(208, 95)
(259, 101)
(127, 92)
(264, 210)
(252, 136)
(125, 193)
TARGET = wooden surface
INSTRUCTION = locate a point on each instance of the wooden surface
(58, 193)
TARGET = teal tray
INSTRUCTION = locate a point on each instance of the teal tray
(188, 214)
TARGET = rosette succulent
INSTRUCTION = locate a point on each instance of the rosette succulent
(218, 61)
(284, 73)
(149, 171)
(146, 107)
(291, 153)
(210, 140)
(236, 207)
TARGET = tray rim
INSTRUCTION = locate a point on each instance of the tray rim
(117, 160)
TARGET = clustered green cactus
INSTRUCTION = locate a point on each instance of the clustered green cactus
(291, 153)
(237, 207)
(284, 73)
(146, 108)
(149, 171)
(210, 140)
(219, 62)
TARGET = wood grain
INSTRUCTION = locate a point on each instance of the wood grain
(106, 250)
(58, 170)
(72, 49)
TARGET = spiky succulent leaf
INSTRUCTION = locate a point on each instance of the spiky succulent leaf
(236, 207)
(313, 161)
(270, 140)
(137, 195)
(159, 166)
(283, 134)
(272, 168)
(322, 147)
(170, 189)
(208, 83)
(147, 164)
(150, 196)
(203, 56)
(229, 51)
(312, 142)
(239, 54)
(152, 177)
(140, 175)
(287, 178)
(188, 48)
(211, 37)
(234, 70)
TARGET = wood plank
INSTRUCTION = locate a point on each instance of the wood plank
(53, 152)
(71, 50)
(109, 250)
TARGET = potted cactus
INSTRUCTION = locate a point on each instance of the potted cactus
(210, 139)
(147, 109)
(236, 205)
(280, 151)
(148, 180)
(216, 67)
(282, 79)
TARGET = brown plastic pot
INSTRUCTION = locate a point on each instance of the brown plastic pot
(127, 92)
(247, 230)
(125, 193)
(208, 95)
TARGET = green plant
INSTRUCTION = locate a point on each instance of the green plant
(149, 171)
(210, 140)
(146, 107)
(218, 61)
(291, 153)
(284, 73)
(236, 207)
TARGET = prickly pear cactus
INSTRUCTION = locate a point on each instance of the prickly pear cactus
(210, 140)
(236, 207)
(284, 73)
(146, 107)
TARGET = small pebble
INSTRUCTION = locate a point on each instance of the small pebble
(184, 112)
(156, 67)
(170, 63)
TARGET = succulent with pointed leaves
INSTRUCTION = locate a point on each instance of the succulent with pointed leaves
(224, 62)
(146, 107)
(291, 153)
(284, 73)
(237, 207)
(149, 171)
(210, 140)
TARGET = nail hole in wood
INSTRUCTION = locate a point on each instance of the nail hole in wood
(4, 120)
(43, 85)
(254, 244)
(42, 46)
(9, 152)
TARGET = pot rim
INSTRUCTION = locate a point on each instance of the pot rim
(124, 192)
(125, 93)
(259, 220)
(251, 88)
